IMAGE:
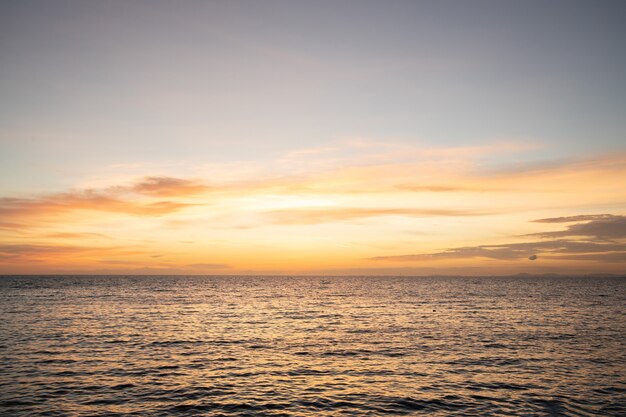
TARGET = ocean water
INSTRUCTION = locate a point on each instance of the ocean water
(312, 346)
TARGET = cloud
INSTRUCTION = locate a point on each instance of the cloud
(445, 188)
(390, 170)
(83, 200)
(20, 213)
(580, 218)
(513, 251)
(388, 187)
(38, 252)
(599, 163)
(366, 152)
(598, 257)
(599, 226)
(168, 187)
(314, 216)
(70, 235)
(20, 250)
(10, 225)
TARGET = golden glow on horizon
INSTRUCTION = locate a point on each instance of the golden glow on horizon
(418, 211)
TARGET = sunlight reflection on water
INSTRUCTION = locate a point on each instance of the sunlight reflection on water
(296, 346)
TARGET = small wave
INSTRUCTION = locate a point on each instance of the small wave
(176, 342)
(449, 403)
(502, 386)
(166, 367)
(16, 403)
(356, 352)
(487, 362)
(610, 390)
(116, 341)
(123, 386)
(325, 404)
(47, 352)
(66, 373)
(55, 361)
(552, 406)
(495, 345)
(105, 401)
(190, 408)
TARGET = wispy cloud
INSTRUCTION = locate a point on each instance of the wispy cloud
(72, 235)
(38, 252)
(168, 187)
(579, 218)
(10, 226)
(366, 152)
(22, 213)
(446, 188)
(313, 216)
(84, 200)
(617, 257)
(113, 199)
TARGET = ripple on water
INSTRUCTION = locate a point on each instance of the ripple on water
(246, 346)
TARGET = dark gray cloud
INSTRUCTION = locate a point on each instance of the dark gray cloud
(599, 257)
(513, 251)
(601, 226)
(592, 238)
(579, 218)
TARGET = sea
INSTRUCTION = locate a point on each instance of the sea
(312, 346)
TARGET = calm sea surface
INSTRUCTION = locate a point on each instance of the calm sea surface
(311, 346)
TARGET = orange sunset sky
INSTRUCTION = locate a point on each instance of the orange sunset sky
(312, 138)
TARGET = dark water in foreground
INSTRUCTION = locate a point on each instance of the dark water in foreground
(245, 346)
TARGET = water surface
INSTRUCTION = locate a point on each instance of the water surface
(304, 346)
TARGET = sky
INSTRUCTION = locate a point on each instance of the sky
(313, 137)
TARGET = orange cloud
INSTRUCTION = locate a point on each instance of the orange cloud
(41, 252)
(10, 225)
(70, 235)
(83, 200)
(411, 205)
